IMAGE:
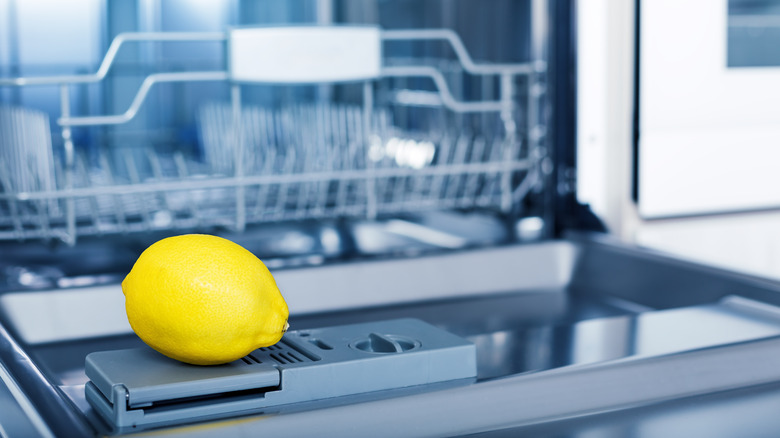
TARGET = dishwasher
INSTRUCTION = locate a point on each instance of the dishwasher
(407, 171)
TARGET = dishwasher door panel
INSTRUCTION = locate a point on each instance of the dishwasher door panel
(568, 339)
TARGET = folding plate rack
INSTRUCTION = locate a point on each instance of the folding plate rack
(261, 165)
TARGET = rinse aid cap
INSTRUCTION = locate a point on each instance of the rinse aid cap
(139, 387)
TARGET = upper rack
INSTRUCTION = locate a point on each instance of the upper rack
(307, 160)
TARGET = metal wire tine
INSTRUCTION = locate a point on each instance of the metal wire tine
(313, 153)
(362, 129)
(214, 127)
(399, 188)
(510, 154)
(342, 145)
(402, 111)
(40, 150)
(339, 153)
(263, 139)
(38, 207)
(205, 126)
(253, 132)
(322, 193)
(222, 149)
(342, 188)
(341, 198)
(204, 123)
(279, 140)
(295, 118)
(132, 171)
(526, 185)
(465, 177)
(485, 183)
(82, 171)
(248, 139)
(239, 157)
(340, 130)
(285, 135)
(309, 157)
(260, 145)
(296, 166)
(222, 153)
(489, 183)
(68, 149)
(25, 144)
(119, 207)
(264, 189)
(304, 190)
(529, 181)
(59, 181)
(486, 85)
(454, 182)
(18, 153)
(154, 163)
(268, 161)
(493, 181)
(11, 138)
(324, 141)
(337, 160)
(341, 123)
(325, 136)
(337, 128)
(285, 189)
(76, 205)
(320, 139)
(321, 134)
(218, 153)
(273, 146)
(364, 188)
(379, 136)
(183, 174)
(416, 186)
(331, 133)
(494, 152)
(367, 116)
(12, 202)
(448, 156)
(440, 159)
(473, 180)
(317, 156)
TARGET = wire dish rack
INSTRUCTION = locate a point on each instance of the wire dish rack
(306, 160)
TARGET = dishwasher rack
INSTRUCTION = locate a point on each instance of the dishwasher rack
(303, 161)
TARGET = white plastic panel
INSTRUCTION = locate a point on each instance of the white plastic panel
(709, 134)
(56, 315)
(304, 54)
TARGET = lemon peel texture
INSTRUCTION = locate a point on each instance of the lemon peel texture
(203, 300)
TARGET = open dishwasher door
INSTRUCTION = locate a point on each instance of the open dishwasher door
(405, 170)
(561, 337)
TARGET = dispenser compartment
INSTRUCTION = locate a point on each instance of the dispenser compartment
(139, 387)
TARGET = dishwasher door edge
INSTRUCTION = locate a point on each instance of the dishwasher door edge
(532, 398)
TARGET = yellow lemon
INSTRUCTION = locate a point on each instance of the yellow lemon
(203, 300)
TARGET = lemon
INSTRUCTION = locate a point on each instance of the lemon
(203, 300)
